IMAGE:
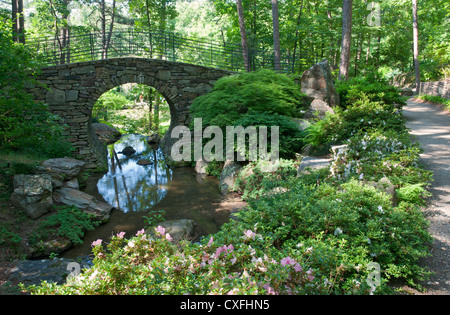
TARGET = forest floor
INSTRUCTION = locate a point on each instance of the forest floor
(430, 124)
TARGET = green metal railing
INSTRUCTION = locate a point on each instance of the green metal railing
(161, 45)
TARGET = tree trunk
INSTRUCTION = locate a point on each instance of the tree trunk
(111, 28)
(244, 42)
(276, 35)
(18, 21)
(103, 21)
(296, 35)
(416, 45)
(346, 39)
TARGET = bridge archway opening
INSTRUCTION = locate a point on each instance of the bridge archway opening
(133, 108)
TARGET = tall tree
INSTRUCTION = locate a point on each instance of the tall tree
(106, 36)
(18, 20)
(244, 41)
(346, 39)
(416, 45)
(276, 35)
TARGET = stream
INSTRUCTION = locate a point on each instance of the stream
(136, 190)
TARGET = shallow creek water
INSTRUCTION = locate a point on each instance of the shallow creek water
(135, 190)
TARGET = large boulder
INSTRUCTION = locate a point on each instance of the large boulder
(87, 203)
(317, 83)
(56, 270)
(33, 194)
(67, 167)
(318, 109)
(228, 176)
(106, 133)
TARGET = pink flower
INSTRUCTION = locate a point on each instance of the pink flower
(310, 276)
(121, 234)
(269, 289)
(249, 234)
(298, 268)
(96, 243)
(287, 261)
(140, 232)
(160, 230)
(211, 240)
(169, 238)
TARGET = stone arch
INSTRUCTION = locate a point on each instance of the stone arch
(71, 91)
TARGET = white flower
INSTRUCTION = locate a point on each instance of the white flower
(337, 231)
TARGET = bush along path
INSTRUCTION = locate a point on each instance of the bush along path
(430, 124)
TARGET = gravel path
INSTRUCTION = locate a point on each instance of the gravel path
(431, 126)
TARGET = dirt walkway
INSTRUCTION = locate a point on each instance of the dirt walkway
(431, 126)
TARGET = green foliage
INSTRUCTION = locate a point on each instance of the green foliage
(291, 139)
(253, 181)
(436, 100)
(70, 223)
(362, 116)
(232, 97)
(214, 168)
(413, 193)
(23, 122)
(371, 87)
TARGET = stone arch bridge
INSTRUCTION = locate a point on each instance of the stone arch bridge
(71, 90)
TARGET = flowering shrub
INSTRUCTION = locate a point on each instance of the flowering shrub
(372, 156)
(145, 265)
(361, 116)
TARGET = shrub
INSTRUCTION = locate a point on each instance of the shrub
(371, 87)
(362, 116)
(70, 223)
(234, 96)
(378, 154)
(291, 139)
(252, 182)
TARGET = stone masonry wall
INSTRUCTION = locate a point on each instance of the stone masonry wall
(71, 91)
(441, 88)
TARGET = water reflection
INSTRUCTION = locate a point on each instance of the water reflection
(129, 186)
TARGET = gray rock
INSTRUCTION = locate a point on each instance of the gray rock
(317, 83)
(200, 167)
(319, 109)
(73, 183)
(312, 163)
(106, 133)
(87, 203)
(68, 167)
(385, 185)
(128, 151)
(228, 176)
(154, 139)
(56, 270)
(144, 162)
(178, 229)
(33, 194)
